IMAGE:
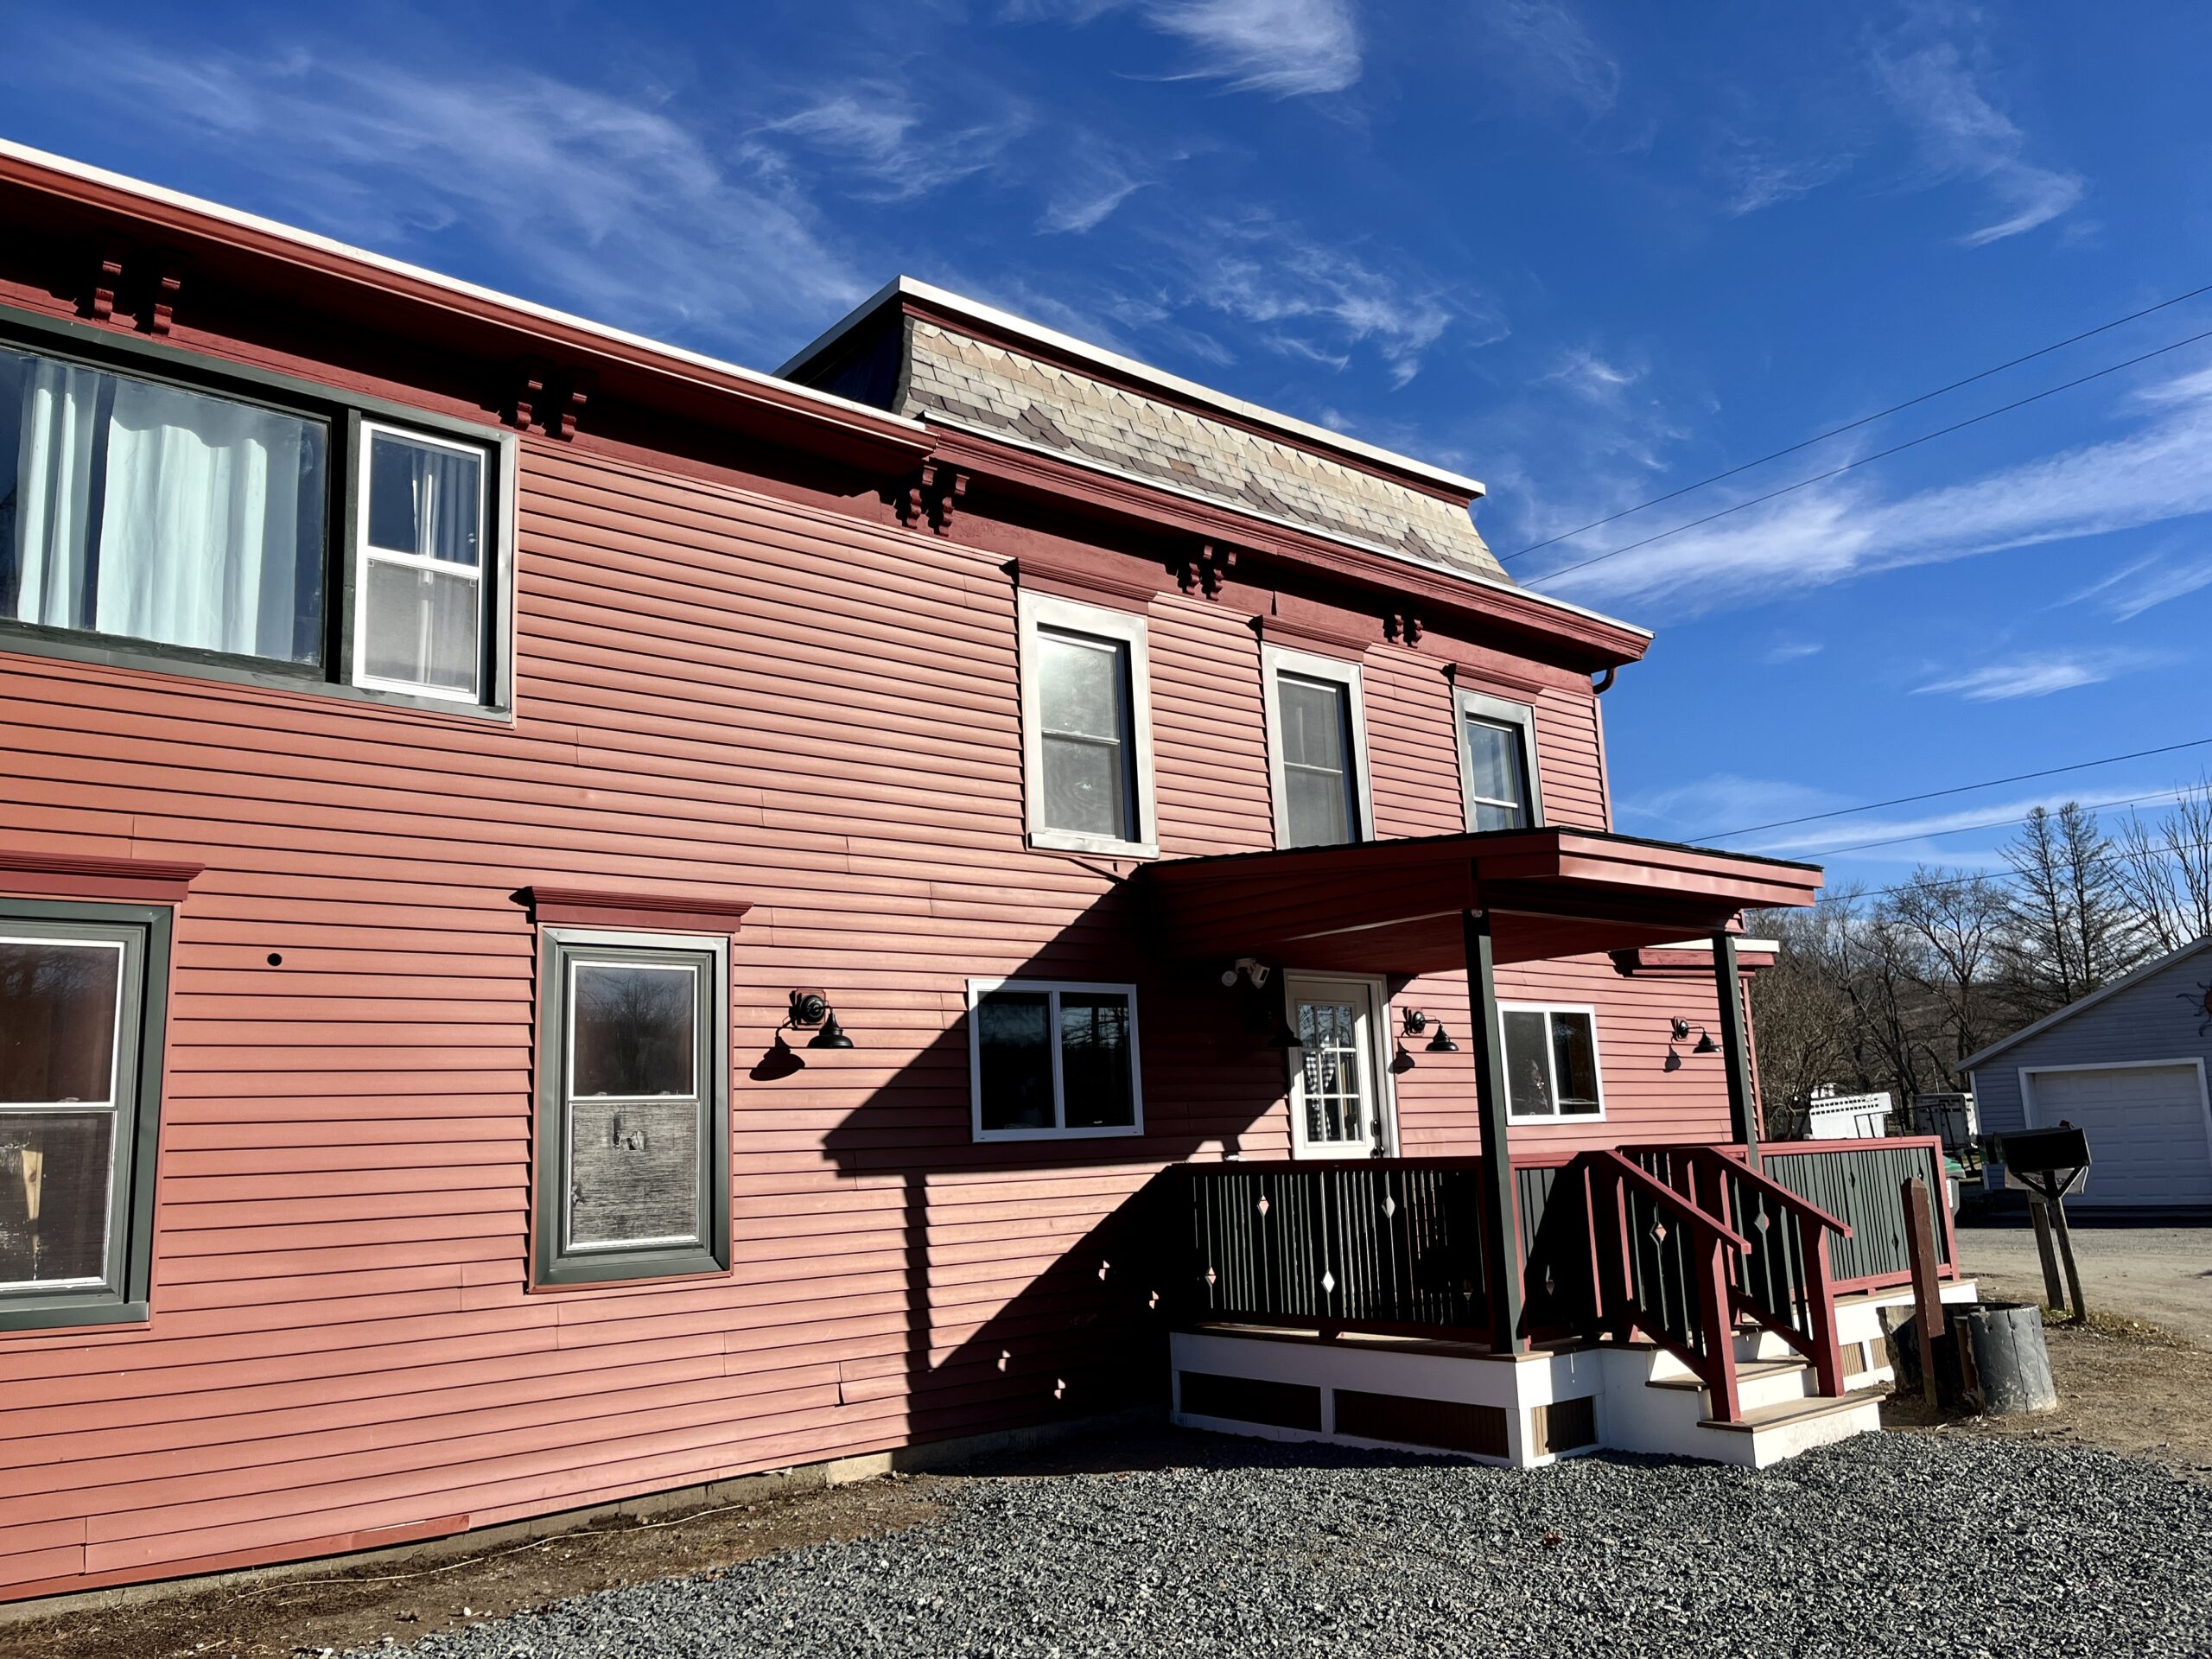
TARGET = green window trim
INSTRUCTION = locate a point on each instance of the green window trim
(345, 417)
(557, 1258)
(143, 932)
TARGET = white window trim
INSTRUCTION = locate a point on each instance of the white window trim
(1046, 610)
(1498, 711)
(1276, 660)
(487, 593)
(1597, 1061)
(978, 988)
(1379, 1055)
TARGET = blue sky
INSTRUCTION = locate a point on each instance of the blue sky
(1587, 252)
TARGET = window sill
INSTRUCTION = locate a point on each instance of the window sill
(32, 640)
(613, 1271)
(1118, 1132)
(61, 1316)
(1069, 841)
(1554, 1119)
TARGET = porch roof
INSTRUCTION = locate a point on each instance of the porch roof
(1393, 907)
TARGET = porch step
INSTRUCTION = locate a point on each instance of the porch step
(1759, 1382)
(1783, 1413)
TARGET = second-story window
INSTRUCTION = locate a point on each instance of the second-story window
(1316, 749)
(244, 526)
(421, 581)
(1087, 749)
(1498, 769)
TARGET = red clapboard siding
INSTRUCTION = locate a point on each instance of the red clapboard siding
(720, 690)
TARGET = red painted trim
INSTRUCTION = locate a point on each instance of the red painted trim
(78, 876)
(1065, 484)
(1314, 627)
(681, 913)
(889, 442)
(1093, 583)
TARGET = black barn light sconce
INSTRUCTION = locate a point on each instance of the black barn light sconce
(1412, 1024)
(810, 1011)
(1680, 1030)
(1263, 1014)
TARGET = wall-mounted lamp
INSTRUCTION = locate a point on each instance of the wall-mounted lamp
(810, 1009)
(1679, 1028)
(1263, 1014)
(1442, 1043)
(1414, 1021)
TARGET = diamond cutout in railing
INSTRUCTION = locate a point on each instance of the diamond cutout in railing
(1551, 1286)
(1390, 1206)
(1658, 1232)
(1210, 1275)
(1761, 1222)
(1263, 1204)
(1328, 1281)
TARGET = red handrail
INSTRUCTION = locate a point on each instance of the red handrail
(1716, 1367)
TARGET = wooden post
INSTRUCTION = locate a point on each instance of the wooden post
(1717, 1315)
(1927, 1294)
(2081, 1314)
(1820, 1298)
(1501, 1226)
(1735, 1047)
(2054, 1295)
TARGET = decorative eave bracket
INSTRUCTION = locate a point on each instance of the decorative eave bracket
(1204, 570)
(934, 494)
(549, 396)
(142, 282)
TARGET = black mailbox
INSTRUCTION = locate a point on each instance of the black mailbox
(2041, 1149)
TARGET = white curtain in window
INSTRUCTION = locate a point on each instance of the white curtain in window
(198, 519)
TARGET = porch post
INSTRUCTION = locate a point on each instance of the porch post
(1501, 1224)
(1735, 1047)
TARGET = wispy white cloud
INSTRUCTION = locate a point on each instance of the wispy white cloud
(2037, 675)
(1790, 650)
(885, 137)
(1088, 191)
(1593, 378)
(2159, 471)
(1550, 53)
(608, 205)
(2143, 583)
(1754, 182)
(1965, 135)
(1289, 47)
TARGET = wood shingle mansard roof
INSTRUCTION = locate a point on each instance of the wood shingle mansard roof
(920, 352)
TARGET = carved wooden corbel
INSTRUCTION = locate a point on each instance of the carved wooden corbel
(1204, 570)
(167, 277)
(107, 282)
(1403, 626)
(935, 495)
(549, 396)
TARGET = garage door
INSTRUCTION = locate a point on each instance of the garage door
(2145, 1125)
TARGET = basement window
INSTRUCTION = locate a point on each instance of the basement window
(82, 988)
(1551, 1063)
(1051, 1059)
(633, 1110)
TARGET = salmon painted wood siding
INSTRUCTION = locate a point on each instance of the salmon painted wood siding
(720, 692)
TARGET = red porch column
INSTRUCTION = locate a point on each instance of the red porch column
(1501, 1224)
(1735, 1047)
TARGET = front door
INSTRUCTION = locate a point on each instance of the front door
(1339, 1105)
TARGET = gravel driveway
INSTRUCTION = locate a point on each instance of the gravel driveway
(2160, 1273)
(1888, 1543)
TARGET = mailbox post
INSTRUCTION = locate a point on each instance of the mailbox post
(2049, 1164)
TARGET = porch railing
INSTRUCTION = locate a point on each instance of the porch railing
(1857, 1181)
(1392, 1245)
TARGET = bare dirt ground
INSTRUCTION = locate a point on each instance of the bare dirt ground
(279, 1619)
(2162, 1275)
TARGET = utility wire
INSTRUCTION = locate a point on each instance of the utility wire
(1864, 420)
(1704, 836)
(1879, 454)
(1993, 875)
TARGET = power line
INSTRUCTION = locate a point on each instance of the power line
(1879, 454)
(1864, 420)
(1937, 794)
(2120, 858)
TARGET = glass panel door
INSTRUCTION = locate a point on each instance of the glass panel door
(1337, 1107)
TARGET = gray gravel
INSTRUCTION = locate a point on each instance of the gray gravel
(1888, 1543)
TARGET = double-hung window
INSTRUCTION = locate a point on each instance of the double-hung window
(82, 988)
(1052, 1059)
(633, 1119)
(168, 512)
(1087, 727)
(1498, 763)
(1551, 1063)
(1316, 749)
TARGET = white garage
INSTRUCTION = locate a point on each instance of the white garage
(2127, 1065)
(2147, 1127)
